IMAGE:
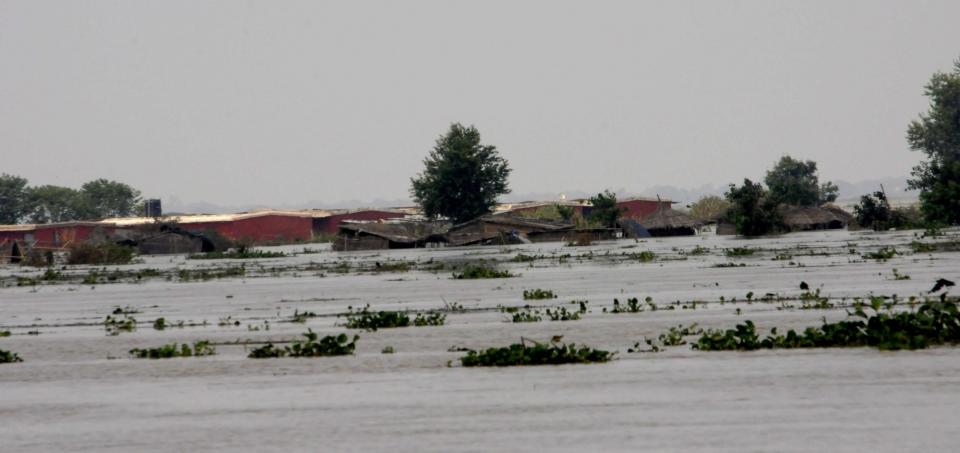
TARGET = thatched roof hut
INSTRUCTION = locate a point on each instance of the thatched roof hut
(491, 228)
(827, 217)
(388, 235)
(669, 222)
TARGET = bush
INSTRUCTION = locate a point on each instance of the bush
(327, 346)
(752, 210)
(99, 253)
(519, 354)
(200, 348)
(471, 272)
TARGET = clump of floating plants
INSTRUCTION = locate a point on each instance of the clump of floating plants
(311, 347)
(474, 271)
(168, 351)
(9, 357)
(519, 354)
(538, 294)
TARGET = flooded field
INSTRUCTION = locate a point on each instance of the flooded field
(79, 389)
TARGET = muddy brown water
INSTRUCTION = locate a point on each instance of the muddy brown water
(78, 390)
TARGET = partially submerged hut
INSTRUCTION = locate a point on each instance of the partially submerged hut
(10, 252)
(669, 222)
(827, 217)
(388, 235)
(507, 229)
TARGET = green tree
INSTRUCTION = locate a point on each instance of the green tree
(874, 212)
(796, 182)
(709, 208)
(56, 204)
(462, 178)
(14, 202)
(937, 135)
(752, 210)
(605, 210)
(105, 198)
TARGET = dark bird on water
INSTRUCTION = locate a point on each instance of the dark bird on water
(941, 283)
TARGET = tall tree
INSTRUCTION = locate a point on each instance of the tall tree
(110, 199)
(709, 208)
(604, 210)
(56, 204)
(795, 182)
(752, 210)
(462, 178)
(14, 202)
(937, 135)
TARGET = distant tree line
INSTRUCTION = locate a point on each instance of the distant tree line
(97, 199)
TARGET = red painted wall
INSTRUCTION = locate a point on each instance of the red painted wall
(329, 225)
(56, 236)
(636, 209)
(260, 230)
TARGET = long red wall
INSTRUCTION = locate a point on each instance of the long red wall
(260, 230)
(329, 225)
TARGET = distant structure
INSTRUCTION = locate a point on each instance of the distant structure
(151, 208)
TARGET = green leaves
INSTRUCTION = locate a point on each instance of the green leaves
(327, 346)
(519, 354)
(462, 178)
(168, 351)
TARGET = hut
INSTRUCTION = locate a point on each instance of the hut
(388, 235)
(507, 229)
(669, 222)
(10, 252)
(800, 218)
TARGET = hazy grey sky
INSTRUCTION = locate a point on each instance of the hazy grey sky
(282, 102)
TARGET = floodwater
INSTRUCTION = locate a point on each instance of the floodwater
(79, 390)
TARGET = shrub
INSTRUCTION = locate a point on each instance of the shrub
(9, 357)
(373, 320)
(99, 253)
(519, 354)
(471, 272)
(327, 346)
(538, 294)
(167, 351)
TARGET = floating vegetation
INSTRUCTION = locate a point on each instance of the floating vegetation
(644, 257)
(526, 316)
(160, 324)
(562, 314)
(933, 323)
(898, 276)
(327, 346)
(698, 250)
(114, 325)
(389, 266)
(676, 336)
(207, 274)
(738, 251)
(519, 354)
(373, 320)
(883, 254)
(241, 253)
(921, 247)
(471, 272)
(228, 321)
(632, 306)
(730, 265)
(522, 258)
(168, 351)
(128, 310)
(387, 350)
(4, 333)
(302, 316)
(429, 319)
(538, 294)
(9, 357)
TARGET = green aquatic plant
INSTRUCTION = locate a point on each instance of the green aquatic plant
(519, 354)
(675, 336)
(9, 357)
(114, 325)
(310, 347)
(302, 316)
(738, 251)
(933, 323)
(240, 253)
(167, 351)
(160, 324)
(526, 316)
(429, 319)
(562, 314)
(538, 294)
(373, 320)
(472, 272)
(883, 254)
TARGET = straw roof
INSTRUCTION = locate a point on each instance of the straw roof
(805, 217)
(669, 219)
